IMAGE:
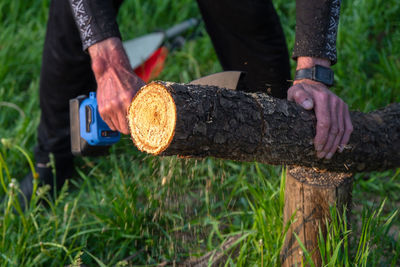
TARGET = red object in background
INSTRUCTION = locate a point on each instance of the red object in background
(153, 66)
(147, 53)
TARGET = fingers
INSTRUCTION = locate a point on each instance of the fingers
(340, 130)
(335, 133)
(322, 112)
(106, 115)
(122, 112)
(123, 123)
(334, 125)
(114, 115)
(110, 124)
(298, 94)
(347, 130)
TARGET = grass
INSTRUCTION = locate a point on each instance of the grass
(132, 209)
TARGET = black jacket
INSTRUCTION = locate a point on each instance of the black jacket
(316, 25)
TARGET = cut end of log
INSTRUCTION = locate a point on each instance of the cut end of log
(319, 177)
(152, 118)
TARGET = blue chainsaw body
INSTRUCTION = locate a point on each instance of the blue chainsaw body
(92, 127)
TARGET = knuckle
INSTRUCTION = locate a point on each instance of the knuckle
(107, 108)
(297, 93)
(349, 129)
(337, 101)
(334, 130)
(323, 124)
(343, 107)
(292, 90)
(102, 110)
(127, 100)
(321, 95)
(113, 103)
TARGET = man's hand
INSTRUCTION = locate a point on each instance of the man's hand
(333, 118)
(116, 82)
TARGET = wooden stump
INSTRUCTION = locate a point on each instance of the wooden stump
(309, 194)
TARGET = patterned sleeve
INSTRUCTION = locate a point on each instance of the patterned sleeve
(95, 19)
(316, 29)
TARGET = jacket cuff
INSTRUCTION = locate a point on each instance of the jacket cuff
(95, 19)
(316, 29)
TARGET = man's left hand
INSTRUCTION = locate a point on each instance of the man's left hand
(334, 125)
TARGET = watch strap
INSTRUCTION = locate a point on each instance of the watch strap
(304, 74)
(316, 73)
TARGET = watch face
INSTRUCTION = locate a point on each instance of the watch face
(324, 75)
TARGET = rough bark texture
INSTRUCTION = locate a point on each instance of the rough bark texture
(223, 123)
(308, 196)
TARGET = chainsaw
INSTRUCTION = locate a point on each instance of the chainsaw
(90, 135)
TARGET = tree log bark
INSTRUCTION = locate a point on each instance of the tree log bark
(309, 194)
(198, 121)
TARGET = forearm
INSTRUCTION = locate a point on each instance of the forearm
(316, 29)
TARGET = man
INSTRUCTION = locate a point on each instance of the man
(83, 51)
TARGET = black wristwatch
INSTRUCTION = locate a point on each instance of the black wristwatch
(317, 73)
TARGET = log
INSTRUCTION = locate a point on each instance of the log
(168, 118)
(309, 194)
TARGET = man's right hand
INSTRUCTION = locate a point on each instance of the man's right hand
(116, 82)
